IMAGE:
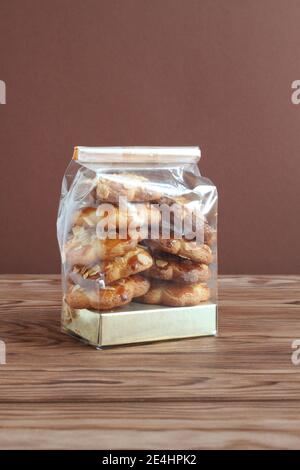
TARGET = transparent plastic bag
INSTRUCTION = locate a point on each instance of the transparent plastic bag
(137, 231)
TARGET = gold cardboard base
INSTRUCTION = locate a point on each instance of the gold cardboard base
(140, 323)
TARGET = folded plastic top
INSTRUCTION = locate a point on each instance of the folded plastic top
(137, 154)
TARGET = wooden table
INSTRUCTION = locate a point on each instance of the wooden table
(238, 390)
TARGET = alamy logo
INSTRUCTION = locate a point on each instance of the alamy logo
(296, 354)
(147, 220)
(295, 97)
(2, 352)
(2, 92)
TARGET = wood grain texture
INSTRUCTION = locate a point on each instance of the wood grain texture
(237, 390)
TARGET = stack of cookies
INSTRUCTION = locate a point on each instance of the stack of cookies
(180, 271)
(104, 274)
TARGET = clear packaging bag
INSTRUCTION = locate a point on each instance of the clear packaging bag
(137, 231)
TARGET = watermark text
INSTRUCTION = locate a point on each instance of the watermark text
(296, 353)
(2, 92)
(2, 352)
(295, 97)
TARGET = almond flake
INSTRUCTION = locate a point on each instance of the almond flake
(94, 270)
(161, 263)
(143, 259)
(76, 287)
(89, 221)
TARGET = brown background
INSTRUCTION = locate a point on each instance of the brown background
(216, 73)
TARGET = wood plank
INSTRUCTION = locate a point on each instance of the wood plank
(151, 426)
(238, 390)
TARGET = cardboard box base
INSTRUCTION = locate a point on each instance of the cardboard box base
(139, 323)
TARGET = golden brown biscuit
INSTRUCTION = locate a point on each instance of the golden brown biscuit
(133, 262)
(173, 268)
(115, 295)
(175, 295)
(181, 247)
(84, 248)
(136, 188)
(133, 215)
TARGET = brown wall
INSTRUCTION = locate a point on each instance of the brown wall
(154, 72)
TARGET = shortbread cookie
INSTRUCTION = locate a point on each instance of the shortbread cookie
(175, 295)
(115, 295)
(181, 247)
(134, 187)
(112, 217)
(173, 268)
(84, 248)
(133, 262)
